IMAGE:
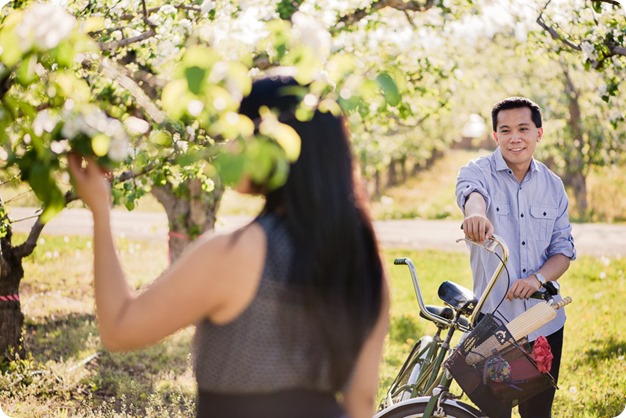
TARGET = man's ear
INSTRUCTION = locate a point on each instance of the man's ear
(495, 137)
(540, 131)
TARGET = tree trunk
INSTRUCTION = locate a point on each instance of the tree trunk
(11, 317)
(190, 212)
(377, 186)
(578, 183)
(392, 175)
(576, 167)
(403, 173)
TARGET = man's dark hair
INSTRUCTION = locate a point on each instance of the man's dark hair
(516, 103)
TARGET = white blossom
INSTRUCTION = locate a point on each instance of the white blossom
(44, 26)
(59, 147)
(207, 6)
(168, 8)
(195, 107)
(94, 121)
(310, 32)
(589, 51)
(136, 126)
(118, 150)
(44, 122)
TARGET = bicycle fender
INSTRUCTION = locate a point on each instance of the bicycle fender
(424, 400)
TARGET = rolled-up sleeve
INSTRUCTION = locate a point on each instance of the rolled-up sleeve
(562, 241)
(469, 180)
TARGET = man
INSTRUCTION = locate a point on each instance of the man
(510, 194)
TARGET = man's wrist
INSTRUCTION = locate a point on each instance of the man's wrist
(540, 278)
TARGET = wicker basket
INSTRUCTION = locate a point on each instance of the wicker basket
(502, 379)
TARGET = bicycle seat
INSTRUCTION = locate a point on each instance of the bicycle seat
(457, 297)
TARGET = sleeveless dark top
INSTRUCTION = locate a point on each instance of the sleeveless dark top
(265, 362)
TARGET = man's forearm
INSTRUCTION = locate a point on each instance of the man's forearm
(475, 205)
(554, 267)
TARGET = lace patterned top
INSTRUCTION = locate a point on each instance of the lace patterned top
(267, 348)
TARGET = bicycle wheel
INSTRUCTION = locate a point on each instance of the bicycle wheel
(411, 370)
(416, 410)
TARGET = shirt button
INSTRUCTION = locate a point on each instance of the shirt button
(522, 215)
(523, 270)
(523, 242)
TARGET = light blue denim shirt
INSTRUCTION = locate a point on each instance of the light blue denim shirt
(530, 216)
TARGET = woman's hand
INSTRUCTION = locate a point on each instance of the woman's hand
(91, 181)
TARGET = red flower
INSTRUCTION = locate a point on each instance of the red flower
(542, 354)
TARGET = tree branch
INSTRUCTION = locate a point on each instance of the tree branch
(614, 50)
(611, 2)
(27, 247)
(357, 15)
(554, 34)
(113, 45)
(111, 70)
(151, 10)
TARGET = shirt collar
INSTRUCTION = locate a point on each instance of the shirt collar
(502, 165)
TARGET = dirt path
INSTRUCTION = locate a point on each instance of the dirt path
(590, 239)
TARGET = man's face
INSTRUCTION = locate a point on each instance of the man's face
(517, 136)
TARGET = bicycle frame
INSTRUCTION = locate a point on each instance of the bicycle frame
(429, 379)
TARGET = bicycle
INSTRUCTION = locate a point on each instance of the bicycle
(422, 386)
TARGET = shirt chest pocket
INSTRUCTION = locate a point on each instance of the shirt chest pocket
(542, 221)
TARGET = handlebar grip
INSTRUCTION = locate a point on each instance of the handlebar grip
(401, 260)
(565, 301)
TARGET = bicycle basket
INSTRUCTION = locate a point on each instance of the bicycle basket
(495, 371)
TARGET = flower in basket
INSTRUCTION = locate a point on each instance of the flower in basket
(542, 354)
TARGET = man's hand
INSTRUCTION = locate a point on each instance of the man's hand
(477, 228)
(523, 288)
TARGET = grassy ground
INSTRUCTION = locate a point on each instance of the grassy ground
(67, 374)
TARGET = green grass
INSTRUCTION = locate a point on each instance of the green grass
(60, 334)
(593, 369)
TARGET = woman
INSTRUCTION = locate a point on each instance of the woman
(290, 311)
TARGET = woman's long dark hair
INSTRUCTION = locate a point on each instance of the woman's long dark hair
(336, 254)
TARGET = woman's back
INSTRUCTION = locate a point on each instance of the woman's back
(266, 358)
(269, 346)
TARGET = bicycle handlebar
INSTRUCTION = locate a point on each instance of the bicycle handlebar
(491, 245)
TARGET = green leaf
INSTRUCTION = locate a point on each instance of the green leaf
(54, 205)
(597, 6)
(259, 161)
(175, 98)
(230, 167)
(284, 135)
(9, 40)
(26, 71)
(100, 145)
(390, 89)
(195, 79)
(161, 138)
(191, 158)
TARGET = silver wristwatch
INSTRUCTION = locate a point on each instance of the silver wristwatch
(541, 278)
